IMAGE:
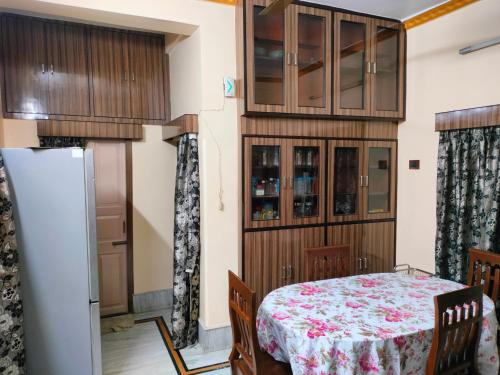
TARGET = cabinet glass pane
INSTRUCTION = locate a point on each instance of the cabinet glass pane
(387, 69)
(265, 182)
(305, 181)
(379, 179)
(352, 64)
(311, 60)
(345, 198)
(268, 57)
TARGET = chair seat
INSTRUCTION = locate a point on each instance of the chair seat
(267, 365)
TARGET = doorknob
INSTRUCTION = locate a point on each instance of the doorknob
(118, 243)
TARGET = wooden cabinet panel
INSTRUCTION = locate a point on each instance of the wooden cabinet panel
(265, 182)
(147, 54)
(378, 245)
(352, 235)
(25, 65)
(273, 259)
(310, 80)
(110, 73)
(69, 90)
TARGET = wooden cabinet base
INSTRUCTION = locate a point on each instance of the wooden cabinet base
(88, 129)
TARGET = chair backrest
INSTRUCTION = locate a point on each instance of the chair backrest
(484, 269)
(242, 313)
(327, 262)
(457, 329)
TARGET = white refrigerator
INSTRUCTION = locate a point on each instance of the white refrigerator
(54, 212)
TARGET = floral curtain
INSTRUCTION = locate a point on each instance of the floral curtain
(58, 142)
(186, 244)
(11, 319)
(468, 198)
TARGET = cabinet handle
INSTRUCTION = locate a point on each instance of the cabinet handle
(295, 59)
(133, 77)
(291, 183)
(360, 264)
(51, 69)
(125, 76)
(360, 181)
(289, 271)
(283, 272)
(368, 67)
(374, 67)
(289, 58)
(366, 263)
(366, 180)
(43, 68)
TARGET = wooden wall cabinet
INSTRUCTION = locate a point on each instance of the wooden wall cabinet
(66, 71)
(362, 180)
(369, 67)
(288, 59)
(284, 182)
(46, 67)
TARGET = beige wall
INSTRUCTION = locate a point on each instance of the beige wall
(18, 133)
(439, 79)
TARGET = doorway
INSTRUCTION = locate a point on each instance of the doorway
(112, 173)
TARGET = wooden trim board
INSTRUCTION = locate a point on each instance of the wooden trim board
(436, 12)
(88, 129)
(181, 125)
(479, 117)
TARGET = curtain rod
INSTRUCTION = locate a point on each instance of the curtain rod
(481, 45)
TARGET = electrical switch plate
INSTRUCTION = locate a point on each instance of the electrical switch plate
(229, 88)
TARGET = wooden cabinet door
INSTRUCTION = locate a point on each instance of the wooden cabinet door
(310, 84)
(304, 188)
(69, 90)
(379, 180)
(268, 63)
(25, 65)
(110, 73)
(147, 60)
(300, 239)
(345, 168)
(378, 245)
(352, 235)
(264, 182)
(388, 69)
(351, 76)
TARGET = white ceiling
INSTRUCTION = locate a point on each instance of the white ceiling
(398, 9)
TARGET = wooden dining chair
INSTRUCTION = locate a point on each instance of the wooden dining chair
(484, 269)
(457, 330)
(246, 358)
(327, 262)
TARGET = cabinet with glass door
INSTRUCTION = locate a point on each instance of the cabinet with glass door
(264, 182)
(305, 173)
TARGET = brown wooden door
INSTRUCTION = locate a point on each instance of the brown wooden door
(264, 182)
(310, 84)
(345, 167)
(69, 90)
(351, 74)
(379, 180)
(304, 188)
(387, 70)
(110, 73)
(147, 54)
(378, 245)
(26, 71)
(110, 183)
(352, 235)
(268, 57)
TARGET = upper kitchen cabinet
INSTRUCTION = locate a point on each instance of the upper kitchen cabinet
(369, 57)
(110, 73)
(25, 65)
(288, 59)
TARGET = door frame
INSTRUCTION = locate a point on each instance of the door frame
(130, 225)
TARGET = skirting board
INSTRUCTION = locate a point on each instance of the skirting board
(215, 339)
(153, 301)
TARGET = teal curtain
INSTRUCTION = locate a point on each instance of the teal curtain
(468, 196)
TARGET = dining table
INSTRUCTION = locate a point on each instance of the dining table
(366, 324)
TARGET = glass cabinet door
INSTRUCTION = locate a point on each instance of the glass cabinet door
(266, 45)
(306, 178)
(263, 182)
(379, 179)
(311, 60)
(345, 176)
(387, 96)
(350, 62)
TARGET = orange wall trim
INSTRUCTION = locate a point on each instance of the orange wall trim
(229, 2)
(437, 12)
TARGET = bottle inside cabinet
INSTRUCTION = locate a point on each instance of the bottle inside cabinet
(306, 181)
(379, 177)
(265, 183)
(346, 181)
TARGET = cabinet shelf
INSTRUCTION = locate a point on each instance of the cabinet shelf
(266, 196)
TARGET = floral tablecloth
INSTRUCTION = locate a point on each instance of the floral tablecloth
(367, 324)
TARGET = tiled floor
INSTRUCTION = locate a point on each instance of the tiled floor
(141, 350)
